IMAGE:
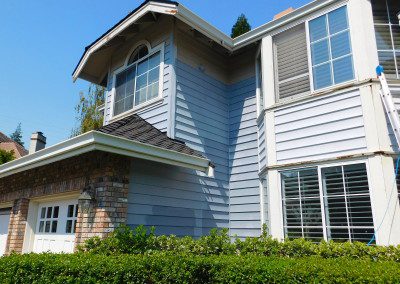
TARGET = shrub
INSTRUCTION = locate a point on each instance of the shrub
(141, 241)
(183, 268)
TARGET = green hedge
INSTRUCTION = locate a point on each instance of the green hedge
(141, 241)
(165, 268)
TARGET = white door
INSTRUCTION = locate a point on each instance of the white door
(4, 221)
(55, 228)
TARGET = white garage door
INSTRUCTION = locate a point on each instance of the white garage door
(55, 229)
(4, 221)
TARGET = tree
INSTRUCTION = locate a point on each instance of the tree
(17, 135)
(6, 156)
(241, 26)
(88, 115)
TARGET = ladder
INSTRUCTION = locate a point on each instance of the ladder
(390, 107)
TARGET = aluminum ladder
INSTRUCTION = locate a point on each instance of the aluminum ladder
(390, 107)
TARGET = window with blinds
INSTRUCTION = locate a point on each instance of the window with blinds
(340, 210)
(387, 33)
(292, 62)
(302, 204)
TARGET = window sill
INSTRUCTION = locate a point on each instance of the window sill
(137, 109)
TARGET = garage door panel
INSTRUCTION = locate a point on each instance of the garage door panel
(4, 222)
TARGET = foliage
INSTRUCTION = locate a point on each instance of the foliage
(142, 241)
(17, 135)
(241, 26)
(6, 156)
(183, 268)
(88, 115)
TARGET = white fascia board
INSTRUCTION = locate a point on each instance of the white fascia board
(258, 33)
(94, 140)
(156, 7)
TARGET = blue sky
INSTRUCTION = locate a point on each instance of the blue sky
(42, 41)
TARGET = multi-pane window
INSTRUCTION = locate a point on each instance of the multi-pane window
(139, 82)
(330, 45)
(72, 214)
(260, 91)
(48, 219)
(302, 204)
(340, 209)
(293, 78)
(387, 33)
(347, 203)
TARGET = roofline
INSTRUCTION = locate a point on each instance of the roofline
(190, 18)
(94, 140)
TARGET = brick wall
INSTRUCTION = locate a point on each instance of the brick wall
(107, 175)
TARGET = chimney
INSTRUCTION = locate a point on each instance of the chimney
(284, 13)
(38, 142)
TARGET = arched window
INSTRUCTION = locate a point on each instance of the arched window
(140, 52)
(139, 81)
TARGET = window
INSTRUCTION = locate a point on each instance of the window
(387, 33)
(260, 91)
(72, 214)
(340, 210)
(330, 45)
(48, 219)
(292, 62)
(138, 83)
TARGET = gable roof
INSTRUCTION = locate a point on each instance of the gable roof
(180, 12)
(136, 128)
(7, 144)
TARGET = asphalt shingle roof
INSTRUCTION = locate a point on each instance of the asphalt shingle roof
(136, 128)
(7, 141)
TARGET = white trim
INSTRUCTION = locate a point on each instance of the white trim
(95, 140)
(259, 85)
(136, 45)
(159, 48)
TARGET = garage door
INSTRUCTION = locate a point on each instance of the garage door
(4, 221)
(55, 229)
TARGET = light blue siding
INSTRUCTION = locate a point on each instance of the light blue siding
(245, 218)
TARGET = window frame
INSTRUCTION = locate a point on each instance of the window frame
(159, 48)
(322, 194)
(310, 65)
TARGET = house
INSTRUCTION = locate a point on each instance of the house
(7, 144)
(282, 126)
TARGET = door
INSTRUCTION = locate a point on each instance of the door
(55, 228)
(4, 221)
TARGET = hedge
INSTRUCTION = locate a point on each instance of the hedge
(167, 268)
(141, 241)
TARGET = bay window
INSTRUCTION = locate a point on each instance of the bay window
(139, 82)
(331, 203)
(330, 46)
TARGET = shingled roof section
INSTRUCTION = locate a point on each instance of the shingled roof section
(136, 128)
(6, 143)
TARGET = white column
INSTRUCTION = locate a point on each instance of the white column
(275, 205)
(384, 200)
(267, 56)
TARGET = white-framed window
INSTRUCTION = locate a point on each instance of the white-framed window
(72, 216)
(139, 81)
(330, 49)
(387, 33)
(48, 219)
(327, 202)
(259, 83)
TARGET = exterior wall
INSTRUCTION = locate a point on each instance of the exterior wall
(157, 114)
(105, 174)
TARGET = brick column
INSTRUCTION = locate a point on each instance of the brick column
(16, 227)
(109, 209)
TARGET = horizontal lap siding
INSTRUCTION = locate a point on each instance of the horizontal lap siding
(243, 163)
(325, 128)
(396, 98)
(158, 114)
(181, 201)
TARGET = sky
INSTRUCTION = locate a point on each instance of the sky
(41, 42)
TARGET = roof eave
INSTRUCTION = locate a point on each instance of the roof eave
(95, 140)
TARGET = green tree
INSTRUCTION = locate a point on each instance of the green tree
(87, 110)
(241, 26)
(6, 156)
(17, 135)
